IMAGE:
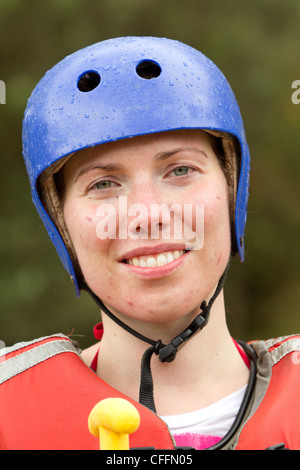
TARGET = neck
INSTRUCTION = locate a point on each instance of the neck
(206, 368)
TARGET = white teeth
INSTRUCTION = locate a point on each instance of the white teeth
(161, 260)
(151, 262)
(170, 257)
(156, 260)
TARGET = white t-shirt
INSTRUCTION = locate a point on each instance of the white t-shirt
(203, 428)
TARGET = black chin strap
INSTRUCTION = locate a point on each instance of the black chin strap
(166, 353)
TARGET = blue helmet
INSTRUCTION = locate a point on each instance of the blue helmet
(120, 88)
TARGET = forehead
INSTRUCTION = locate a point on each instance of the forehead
(141, 146)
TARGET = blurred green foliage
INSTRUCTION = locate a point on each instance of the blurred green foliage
(257, 45)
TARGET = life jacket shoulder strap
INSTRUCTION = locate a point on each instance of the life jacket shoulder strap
(282, 346)
(275, 409)
(22, 356)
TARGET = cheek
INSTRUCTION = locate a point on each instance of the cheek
(217, 223)
(81, 223)
(212, 197)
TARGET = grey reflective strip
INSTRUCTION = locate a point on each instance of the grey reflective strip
(22, 362)
(24, 344)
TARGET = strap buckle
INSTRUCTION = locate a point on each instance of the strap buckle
(167, 353)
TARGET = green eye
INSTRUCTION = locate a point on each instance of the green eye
(103, 184)
(181, 171)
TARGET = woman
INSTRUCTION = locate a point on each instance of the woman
(139, 168)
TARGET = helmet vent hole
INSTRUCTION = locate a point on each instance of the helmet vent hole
(88, 81)
(148, 69)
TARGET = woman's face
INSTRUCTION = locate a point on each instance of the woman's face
(130, 244)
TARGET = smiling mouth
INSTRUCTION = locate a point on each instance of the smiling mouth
(153, 261)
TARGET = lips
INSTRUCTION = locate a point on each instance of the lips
(155, 262)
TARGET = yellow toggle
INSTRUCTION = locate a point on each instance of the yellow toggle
(112, 420)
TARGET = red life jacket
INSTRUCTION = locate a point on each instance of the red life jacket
(46, 406)
(47, 393)
(275, 417)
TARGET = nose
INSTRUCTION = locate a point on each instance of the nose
(148, 214)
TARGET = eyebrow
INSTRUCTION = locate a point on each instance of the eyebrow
(165, 155)
(97, 167)
(161, 156)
